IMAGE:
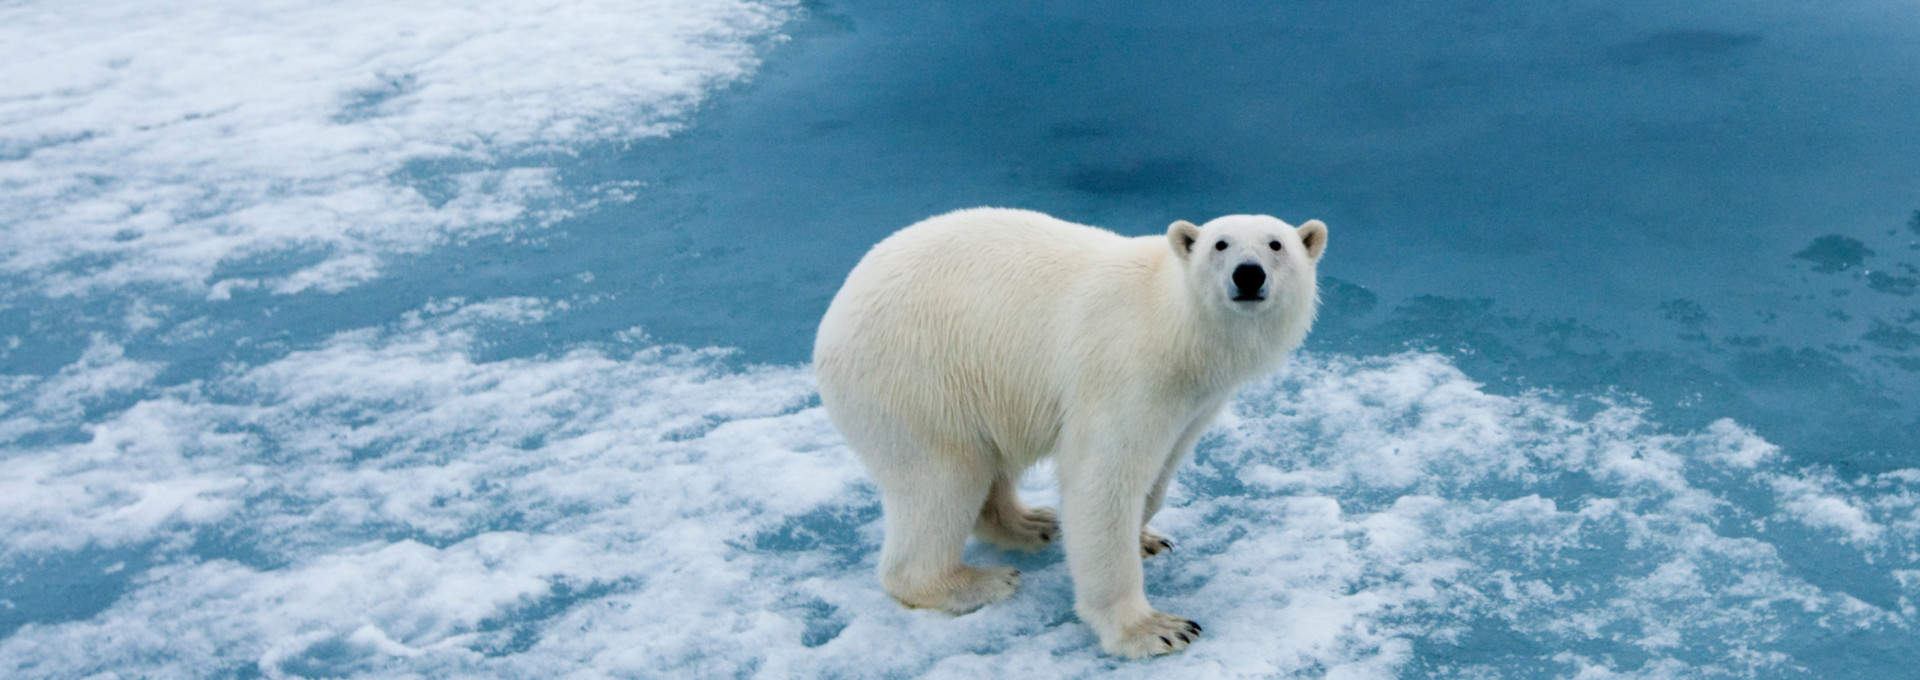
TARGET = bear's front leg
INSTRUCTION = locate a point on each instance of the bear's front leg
(1103, 496)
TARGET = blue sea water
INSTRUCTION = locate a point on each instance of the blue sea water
(469, 339)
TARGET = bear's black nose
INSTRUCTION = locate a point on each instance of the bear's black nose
(1249, 278)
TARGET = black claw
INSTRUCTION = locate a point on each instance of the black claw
(1184, 638)
(1196, 626)
(1166, 545)
(1045, 537)
(1164, 639)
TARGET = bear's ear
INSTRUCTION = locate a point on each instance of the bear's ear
(1313, 235)
(1183, 235)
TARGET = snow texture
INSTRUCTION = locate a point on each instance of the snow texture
(386, 504)
(145, 143)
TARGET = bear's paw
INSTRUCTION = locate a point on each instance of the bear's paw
(974, 588)
(1022, 529)
(1152, 543)
(1156, 634)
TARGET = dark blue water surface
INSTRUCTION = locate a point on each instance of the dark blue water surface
(1712, 207)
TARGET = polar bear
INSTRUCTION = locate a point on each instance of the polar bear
(964, 348)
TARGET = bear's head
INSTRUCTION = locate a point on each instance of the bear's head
(1251, 264)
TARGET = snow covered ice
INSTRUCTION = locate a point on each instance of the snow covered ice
(372, 340)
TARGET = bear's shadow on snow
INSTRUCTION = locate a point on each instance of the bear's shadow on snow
(841, 532)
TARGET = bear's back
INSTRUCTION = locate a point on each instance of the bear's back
(997, 246)
(966, 273)
(954, 325)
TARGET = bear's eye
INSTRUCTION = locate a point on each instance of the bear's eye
(1219, 245)
(1273, 244)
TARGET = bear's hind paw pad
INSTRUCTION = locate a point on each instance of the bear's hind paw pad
(1027, 529)
(987, 586)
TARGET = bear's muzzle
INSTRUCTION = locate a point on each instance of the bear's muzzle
(1248, 280)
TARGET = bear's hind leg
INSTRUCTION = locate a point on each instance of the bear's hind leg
(928, 517)
(1008, 523)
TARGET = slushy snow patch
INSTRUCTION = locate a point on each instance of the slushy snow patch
(387, 503)
(155, 144)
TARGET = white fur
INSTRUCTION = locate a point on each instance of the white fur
(964, 348)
